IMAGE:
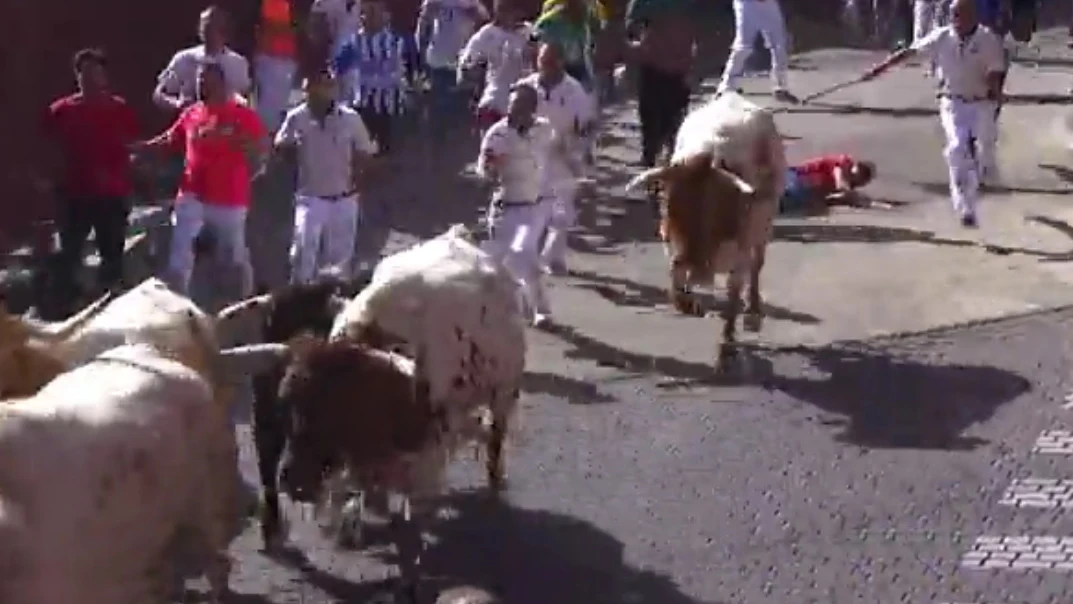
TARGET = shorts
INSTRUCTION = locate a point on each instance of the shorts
(486, 117)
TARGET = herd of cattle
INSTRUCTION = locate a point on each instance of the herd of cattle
(118, 460)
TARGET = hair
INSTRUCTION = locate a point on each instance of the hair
(321, 74)
(89, 55)
(865, 171)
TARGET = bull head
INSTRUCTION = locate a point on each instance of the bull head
(680, 169)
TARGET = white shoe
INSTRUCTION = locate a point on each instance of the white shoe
(541, 320)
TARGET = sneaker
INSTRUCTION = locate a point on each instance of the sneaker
(969, 221)
(785, 96)
(541, 320)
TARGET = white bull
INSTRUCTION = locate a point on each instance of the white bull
(114, 475)
(150, 312)
(720, 195)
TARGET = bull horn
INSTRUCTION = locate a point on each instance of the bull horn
(337, 304)
(61, 330)
(645, 178)
(240, 307)
(253, 359)
(737, 181)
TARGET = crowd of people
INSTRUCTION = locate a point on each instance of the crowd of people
(536, 108)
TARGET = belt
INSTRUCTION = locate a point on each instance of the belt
(337, 196)
(512, 204)
(963, 99)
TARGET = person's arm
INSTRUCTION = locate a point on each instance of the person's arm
(924, 46)
(840, 174)
(174, 138)
(995, 62)
(489, 162)
(478, 12)
(362, 150)
(472, 55)
(253, 140)
(423, 30)
(243, 84)
(287, 139)
(168, 91)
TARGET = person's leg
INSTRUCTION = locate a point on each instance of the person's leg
(985, 131)
(187, 220)
(648, 103)
(309, 220)
(773, 30)
(110, 229)
(75, 225)
(229, 223)
(956, 121)
(525, 225)
(747, 21)
(341, 235)
(560, 216)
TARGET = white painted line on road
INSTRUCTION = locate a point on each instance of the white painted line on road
(1020, 553)
(1054, 442)
(1045, 493)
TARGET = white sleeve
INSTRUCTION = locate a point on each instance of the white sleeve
(362, 141)
(169, 79)
(928, 44)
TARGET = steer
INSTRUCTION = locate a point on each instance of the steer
(150, 312)
(355, 411)
(720, 195)
(452, 299)
(117, 474)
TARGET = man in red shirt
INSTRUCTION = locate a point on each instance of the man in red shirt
(92, 129)
(826, 181)
(224, 144)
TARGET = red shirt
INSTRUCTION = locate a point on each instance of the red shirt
(216, 169)
(93, 134)
(819, 174)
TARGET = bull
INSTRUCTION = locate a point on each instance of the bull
(119, 478)
(719, 197)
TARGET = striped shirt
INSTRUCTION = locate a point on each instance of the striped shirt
(373, 64)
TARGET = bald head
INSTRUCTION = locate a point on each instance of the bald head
(963, 15)
(550, 60)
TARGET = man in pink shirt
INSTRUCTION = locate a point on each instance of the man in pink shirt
(224, 144)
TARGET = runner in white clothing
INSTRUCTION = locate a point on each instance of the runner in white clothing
(443, 27)
(971, 61)
(504, 48)
(514, 155)
(563, 101)
(332, 147)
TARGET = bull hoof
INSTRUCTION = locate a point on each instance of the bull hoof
(752, 321)
(688, 305)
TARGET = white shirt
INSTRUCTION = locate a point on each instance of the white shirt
(964, 64)
(325, 149)
(180, 75)
(342, 21)
(520, 160)
(504, 53)
(451, 25)
(569, 109)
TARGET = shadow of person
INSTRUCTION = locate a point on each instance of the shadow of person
(537, 557)
(891, 402)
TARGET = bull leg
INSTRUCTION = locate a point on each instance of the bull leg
(348, 535)
(728, 348)
(410, 544)
(682, 297)
(269, 441)
(754, 311)
(496, 464)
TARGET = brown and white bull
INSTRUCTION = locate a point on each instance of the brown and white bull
(32, 354)
(720, 194)
(120, 477)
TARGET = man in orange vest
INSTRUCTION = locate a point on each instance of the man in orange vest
(275, 62)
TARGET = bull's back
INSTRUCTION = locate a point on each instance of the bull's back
(106, 458)
(725, 126)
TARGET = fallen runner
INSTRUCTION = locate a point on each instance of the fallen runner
(814, 186)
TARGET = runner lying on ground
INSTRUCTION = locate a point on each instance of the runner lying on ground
(815, 185)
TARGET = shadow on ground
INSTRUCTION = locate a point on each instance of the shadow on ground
(881, 400)
(539, 557)
(576, 392)
(860, 233)
(625, 292)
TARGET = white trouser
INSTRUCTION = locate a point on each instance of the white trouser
(964, 121)
(514, 237)
(324, 234)
(561, 215)
(927, 15)
(228, 224)
(274, 79)
(752, 17)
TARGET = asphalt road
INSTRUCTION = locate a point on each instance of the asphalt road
(876, 472)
